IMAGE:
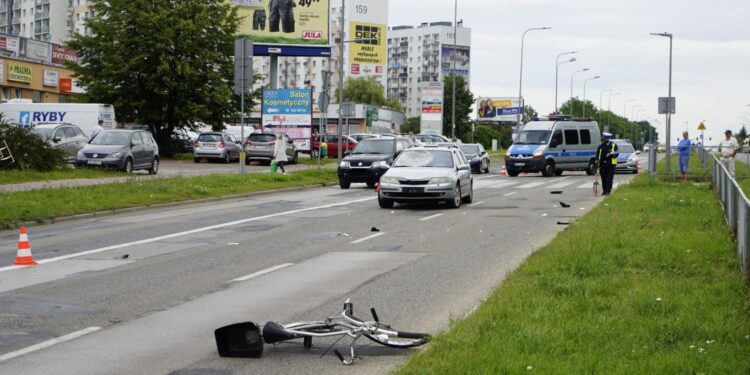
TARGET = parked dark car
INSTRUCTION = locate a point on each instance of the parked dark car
(127, 150)
(371, 159)
(217, 146)
(261, 147)
(477, 157)
(63, 136)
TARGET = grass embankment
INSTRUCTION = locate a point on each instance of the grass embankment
(696, 169)
(307, 160)
(53, 203)
(18, 177)
(646, 283)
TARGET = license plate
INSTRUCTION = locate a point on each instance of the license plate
(209, 145)
(259, 147)
(413, 190)
(520, 164)
(95, 162)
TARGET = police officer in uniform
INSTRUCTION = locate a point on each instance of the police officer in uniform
(606, 158)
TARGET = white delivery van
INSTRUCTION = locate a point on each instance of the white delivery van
(85, 116)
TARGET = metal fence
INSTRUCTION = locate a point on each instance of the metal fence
(736, 209)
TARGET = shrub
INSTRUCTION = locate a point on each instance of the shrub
(29, 150)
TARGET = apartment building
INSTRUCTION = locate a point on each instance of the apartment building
(45, 20)
(422, 54)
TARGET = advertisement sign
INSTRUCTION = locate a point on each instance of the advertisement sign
(432, 108)
(367, 24)
(498, 109)
(355, 69)
(371, 50)
(19, 73)
(9, 43)
(66, 84)
(61, 54)
(290, 22)
(51, 78)
(33, 49)
(288, 111)
(461, 58)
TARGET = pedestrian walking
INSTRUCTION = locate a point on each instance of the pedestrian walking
(279, 152)
(606, 159)
(683, 150)
(98, 128)
(728, 149)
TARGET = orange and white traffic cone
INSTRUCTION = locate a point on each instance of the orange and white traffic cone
(24, 257)
(503, 171)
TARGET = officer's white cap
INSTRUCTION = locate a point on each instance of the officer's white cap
(607, 135)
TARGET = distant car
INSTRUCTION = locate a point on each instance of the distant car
(63, 136)
(347, 145)
(627, 160)
(419, 174)
(127, 150)
(361, 136)
(431, 138)
(371, 159)
(477, 157)
(221, 146)
(185, 141)
(261, 147)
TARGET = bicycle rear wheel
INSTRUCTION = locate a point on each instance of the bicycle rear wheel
(400, 339)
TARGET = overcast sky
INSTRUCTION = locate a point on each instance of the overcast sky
(711, 61)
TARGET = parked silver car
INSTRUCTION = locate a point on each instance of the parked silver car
(64, 136)
(127, 150)
(261, 146)
(221, 146)
(427, 174)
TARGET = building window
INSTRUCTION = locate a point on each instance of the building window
(36, 96)
(6, 93)
(19, 93)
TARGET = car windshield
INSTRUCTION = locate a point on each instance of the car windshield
(374, 147)
(425, 158)
(111, 138)
(45, 133)
(469, 149)
(625, 148)
(533, 137)
(210, 138)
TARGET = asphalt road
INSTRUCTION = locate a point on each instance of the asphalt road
(146, 290)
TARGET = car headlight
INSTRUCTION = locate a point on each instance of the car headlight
(80, 155)
(116, 155)
(440, 180)
(539, 153)
(345, 164)
(380, 164)
(389, 180)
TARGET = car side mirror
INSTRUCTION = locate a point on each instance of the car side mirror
(56, 139)
(463, 168)
(637, 152)
(347, 152)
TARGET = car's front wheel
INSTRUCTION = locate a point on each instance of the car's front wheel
(344, 184)
(128, 165)
(154, 167)
(456, 201)
(385, 203)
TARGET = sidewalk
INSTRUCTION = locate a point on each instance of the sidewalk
(167, 169)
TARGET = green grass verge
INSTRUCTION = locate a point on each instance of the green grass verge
(307, 160)
(53, 203)
(18, 177)
(646, 283)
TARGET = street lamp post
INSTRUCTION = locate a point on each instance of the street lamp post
(609, 106)
(601, 109)
(669, 98)
(341, 82)
(557, 74)
(571, 86)
(557, 64)
(625, 107)
(584, 94)
(632, 110)
(520, 78)
(455, 31)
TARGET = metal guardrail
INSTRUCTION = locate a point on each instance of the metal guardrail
(736, 210)
(704, 172)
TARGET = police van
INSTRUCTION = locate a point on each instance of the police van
(554, 145)
(85, 116)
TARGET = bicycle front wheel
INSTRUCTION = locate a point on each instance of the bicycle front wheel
(398, 339)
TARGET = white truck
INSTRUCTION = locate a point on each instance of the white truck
(85, 116)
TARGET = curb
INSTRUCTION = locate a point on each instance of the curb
(160, 205)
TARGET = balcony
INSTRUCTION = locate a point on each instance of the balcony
(41, 15)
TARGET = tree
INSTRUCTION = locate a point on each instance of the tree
(529, 113)
(464, 101)
(412, 124)
(741, 135)
(578, 106)
(484, 135)
(164, 63)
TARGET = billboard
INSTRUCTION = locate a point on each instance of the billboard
(372, 50)
(498, 109)
(61, 54)
(290, 22)
(432, 108)
(367, 23)
(34, 50)
(290, 112)
(8, 43)
(462, 60)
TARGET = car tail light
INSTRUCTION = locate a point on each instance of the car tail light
(197, 144)
(222, 144)
(272, 144)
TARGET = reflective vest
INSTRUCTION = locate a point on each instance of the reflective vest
(614, 159)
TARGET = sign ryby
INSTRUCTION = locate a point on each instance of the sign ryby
(291, 22)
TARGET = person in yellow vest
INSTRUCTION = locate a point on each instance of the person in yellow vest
(606, 159)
